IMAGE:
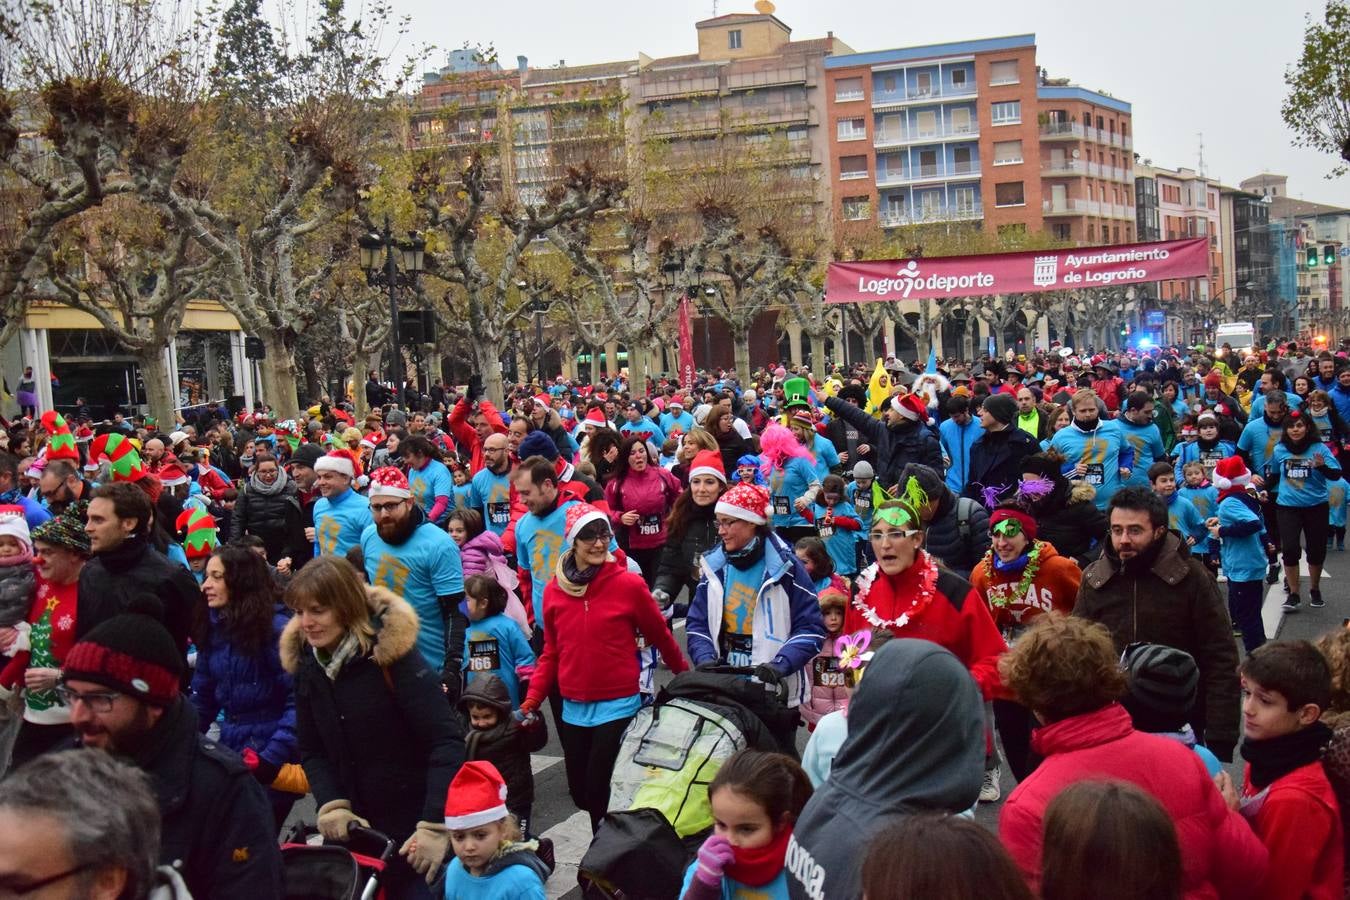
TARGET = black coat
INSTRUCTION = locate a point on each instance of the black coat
(895, 446)
(677, 568)
(1070, 521)
(276, 518)
(996, 460)
(943, 537)
(216, 820)
(382, 735)
(506, 745)
(111, 581)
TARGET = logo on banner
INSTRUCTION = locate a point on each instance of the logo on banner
(1046, 271)
(908, 277)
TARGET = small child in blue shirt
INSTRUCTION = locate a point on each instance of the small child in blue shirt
(460, 493)
(838, 525)
(1182, 516)
(491, 861)
(1204, 496)
(494, 643)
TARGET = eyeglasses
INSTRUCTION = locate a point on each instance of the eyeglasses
(724, 524)
(97, 701)
(880, 537)
(592, 536)
(386, 509)
(24, 890)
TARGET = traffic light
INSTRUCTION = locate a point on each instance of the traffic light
(1312, 257)
(1329, 255)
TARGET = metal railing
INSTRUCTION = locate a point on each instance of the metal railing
(955, 213)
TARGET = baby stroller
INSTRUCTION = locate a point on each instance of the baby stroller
(336, 871)
(670, 753)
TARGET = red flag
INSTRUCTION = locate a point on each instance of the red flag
(686, 346)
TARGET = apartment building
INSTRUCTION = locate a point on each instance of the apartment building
(1171, 204)
(1086, 163)
(459, 103)
(1245, 240)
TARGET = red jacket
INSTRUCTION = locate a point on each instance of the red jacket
(590, 642)
(1220, 855)
(466, 436)
(1299, 821)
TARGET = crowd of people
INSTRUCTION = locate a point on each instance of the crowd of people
(1042, 563)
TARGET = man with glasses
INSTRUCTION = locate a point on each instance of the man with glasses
(121, 685)
(410, 556)
(491, 486)
(1148, 588)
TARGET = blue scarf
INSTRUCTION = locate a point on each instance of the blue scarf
(1012, 565)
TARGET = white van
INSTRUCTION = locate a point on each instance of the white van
(1240, 335)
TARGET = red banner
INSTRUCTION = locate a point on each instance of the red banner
(686, 346)
(1016, 273)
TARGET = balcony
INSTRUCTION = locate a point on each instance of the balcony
(1070, 206)
(894, 217)
(901, 137)
(1063, 131)
(921, 173)
(905, 96)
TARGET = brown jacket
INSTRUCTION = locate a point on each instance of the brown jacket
(1174, 602)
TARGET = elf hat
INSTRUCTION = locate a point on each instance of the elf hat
(1231, 472)
(748, 502)
(910, 407)
(121, 453)
(578, 517)
(13, 524)
(476, 797)
(389, 481)
(337, 461)
(61, 445)
(199, 530)
(708, 462)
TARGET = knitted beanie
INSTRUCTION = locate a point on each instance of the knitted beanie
(13, 524)
(537, 443)
(306, 455)
(1163, 682)
(130, 653)
(1002, 407)
(66, 530)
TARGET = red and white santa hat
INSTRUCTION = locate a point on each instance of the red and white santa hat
(389, 481)
(596, 416)
(373, 440)
(578, 516)
(708, 462)
(749, 502)
(477, 796)
(910, 406)
(1231, 472)
(337, 461)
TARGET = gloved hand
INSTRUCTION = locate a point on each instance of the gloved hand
(474, 389)
(766, 673)
(453, 685)
(336, 819)
(527, 716)
(265, 772)
(713, 858)
(662, 598)
(426, 849)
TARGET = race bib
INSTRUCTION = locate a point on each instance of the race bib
(483, 655)
(862, 504)
(1297, 468)
(1095, 474)
(1211, 457)
(825, 672)
(736, 648)
(641, 641)
(781, 506)
(649, 525)
(499, 513)
(825, 531)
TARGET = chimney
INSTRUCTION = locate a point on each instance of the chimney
(522, 63)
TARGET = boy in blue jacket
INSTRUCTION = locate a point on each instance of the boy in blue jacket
(1241, 533)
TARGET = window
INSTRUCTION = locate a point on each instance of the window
(1003, 72)
(964, 199)
(925, 124)
(1099, 123)
(961, 121)
(1092, 232)
(848, 89)
(1087, 120)
(1009, 193)
(734, 39)
(857, 208)
(928, 163)
(961, 157)
(888, 83)
(1012, 229)
(1007, 153)
(1115, 234)
(852, 167)
(923, 81)
(958, 77)
(1009, 113)
(1061, 232)
(852, 129)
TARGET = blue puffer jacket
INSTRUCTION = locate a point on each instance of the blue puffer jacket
(253, 690)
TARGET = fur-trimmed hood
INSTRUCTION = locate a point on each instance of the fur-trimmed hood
(1082, 492)
(395, 624)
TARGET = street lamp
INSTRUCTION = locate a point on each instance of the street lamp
(705, 309)
(386, 273)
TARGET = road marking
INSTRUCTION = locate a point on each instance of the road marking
(1272, 608)
(571, 837)
(539, 763)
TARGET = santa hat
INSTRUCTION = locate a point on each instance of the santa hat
(749, 502)
(708, 462)
(477, 796)
(121, 453)
(61, 445)
(373, 440)
(389, 481)
(1231, 472)
(1207, 416)
(171, 474)
(13, 524)
(596, 416)
(578, 516)
(910, 407)
(198, 528)
(337, 461)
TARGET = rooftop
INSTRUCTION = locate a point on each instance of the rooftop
(1073, 92)
(931, 51)
(1290, 208)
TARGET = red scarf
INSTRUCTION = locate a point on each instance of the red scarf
(759, 866)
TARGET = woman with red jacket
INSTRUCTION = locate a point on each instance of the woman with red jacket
(1067, 671)
(640, 496)
(593, 607)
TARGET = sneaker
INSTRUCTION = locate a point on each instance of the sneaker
(990, 792)
(1291, 603)
(1273, 573)
(1315, 599)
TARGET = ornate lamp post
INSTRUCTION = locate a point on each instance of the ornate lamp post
(386, 273)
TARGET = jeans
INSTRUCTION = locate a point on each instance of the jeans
(1244, 606)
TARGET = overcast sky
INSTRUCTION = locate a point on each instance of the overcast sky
(1188, 66)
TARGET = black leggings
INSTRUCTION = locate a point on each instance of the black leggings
(647, 560)
(1310, 521)
(588, 755)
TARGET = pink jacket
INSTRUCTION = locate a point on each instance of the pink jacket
(828, 692)
(1220, 854)
(651, 493)
(482, 554)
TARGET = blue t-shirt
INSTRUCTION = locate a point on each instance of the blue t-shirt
(785, 486)
(1243, 557)
(1205, 499)
(491, 495)
(1184, 518)
(496, 646)
(646, 429)
(740, 594)
(1259, 440)
(599, 712)
(777, 889)
(1300, 482)
(683, 423)
(1336, 498)
(510, 883)
(826, 456)
(422, 569)
(338, 523)
(1148, 449)
(1103, 450)
(461, 497)
(1191, 451)
(840, 543)
(1292, 400)
(429, 482)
